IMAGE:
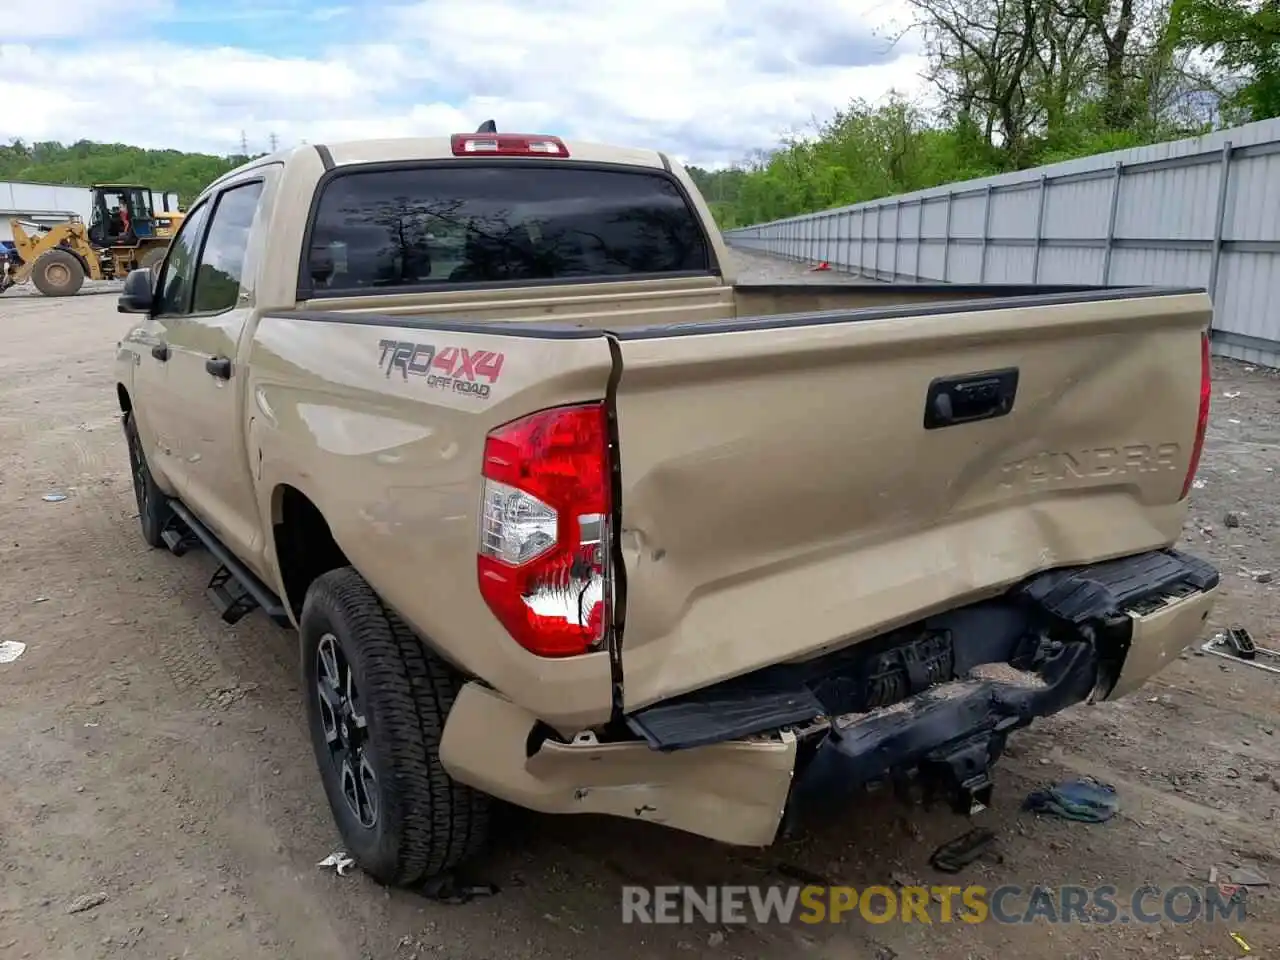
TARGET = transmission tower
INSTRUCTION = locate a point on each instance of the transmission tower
(244, 144)
(275, 141)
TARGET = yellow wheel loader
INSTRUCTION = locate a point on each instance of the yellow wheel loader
(124, 233)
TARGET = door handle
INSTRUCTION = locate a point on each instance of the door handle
(970, 397)
(219, 367)
(161, 351)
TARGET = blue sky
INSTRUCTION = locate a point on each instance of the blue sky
(708, 80)
(277, 27)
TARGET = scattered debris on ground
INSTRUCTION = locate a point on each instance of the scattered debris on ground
(954, 855)
(339, 860)
(1243, 874)
(87, 902)
(450, 888)
(226, 696)
(1236, 643)
(11, 650)
(1085, 800)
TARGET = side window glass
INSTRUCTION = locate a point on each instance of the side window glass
(173, 290)
(222, 261)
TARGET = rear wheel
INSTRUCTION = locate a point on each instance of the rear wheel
(153, 506)
(57, 273)
(376, 703)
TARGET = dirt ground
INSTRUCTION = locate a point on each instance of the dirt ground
(151, 754)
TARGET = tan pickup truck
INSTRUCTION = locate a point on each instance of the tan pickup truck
(566, 516)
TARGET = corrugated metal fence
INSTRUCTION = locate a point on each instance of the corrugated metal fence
(1204, 211)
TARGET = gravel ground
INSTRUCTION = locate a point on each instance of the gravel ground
(155, 759)
(90, 287)
(755, 267)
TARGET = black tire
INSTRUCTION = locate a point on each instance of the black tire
(414, 822)
(154, 512)
(57, 273)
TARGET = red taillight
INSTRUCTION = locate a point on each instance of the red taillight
(507, 145)
(543, 562)
(1202, 418)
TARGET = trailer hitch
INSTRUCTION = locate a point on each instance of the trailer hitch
(945, 739)
(960, 772)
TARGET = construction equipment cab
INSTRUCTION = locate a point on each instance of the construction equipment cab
(124, 234)
(567, 516)
(124, 214)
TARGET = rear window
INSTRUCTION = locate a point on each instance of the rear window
(499, 224)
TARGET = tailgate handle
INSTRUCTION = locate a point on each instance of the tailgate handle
(969, 397)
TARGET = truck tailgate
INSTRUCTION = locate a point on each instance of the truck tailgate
(792, 484)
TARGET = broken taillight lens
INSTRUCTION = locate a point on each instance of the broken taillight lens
(543, 562)
(1202, 417)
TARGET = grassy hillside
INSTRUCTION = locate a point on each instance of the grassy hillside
(85, 163)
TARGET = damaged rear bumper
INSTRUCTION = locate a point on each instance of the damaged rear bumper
(1132, 617)
(917, 738)
(734, 792)
(735, 761)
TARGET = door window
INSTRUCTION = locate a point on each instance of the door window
(222, 260)
(173, 290)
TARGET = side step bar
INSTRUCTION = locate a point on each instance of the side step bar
(234, 589)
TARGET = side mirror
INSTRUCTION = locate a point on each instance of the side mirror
(137, 296)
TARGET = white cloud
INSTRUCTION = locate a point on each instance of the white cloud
(39, 19)
(708, 80)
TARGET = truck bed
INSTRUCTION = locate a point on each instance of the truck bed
(771, 299)
(668, 307)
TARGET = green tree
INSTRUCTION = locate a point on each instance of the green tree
(1244, 35)
(84, 163)
(1018, 84)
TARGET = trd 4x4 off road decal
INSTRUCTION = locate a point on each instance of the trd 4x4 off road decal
(450, 368)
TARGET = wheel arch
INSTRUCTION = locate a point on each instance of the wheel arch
(304, 544)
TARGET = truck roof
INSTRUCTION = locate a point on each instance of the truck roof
(440, 148)
(409, 149)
